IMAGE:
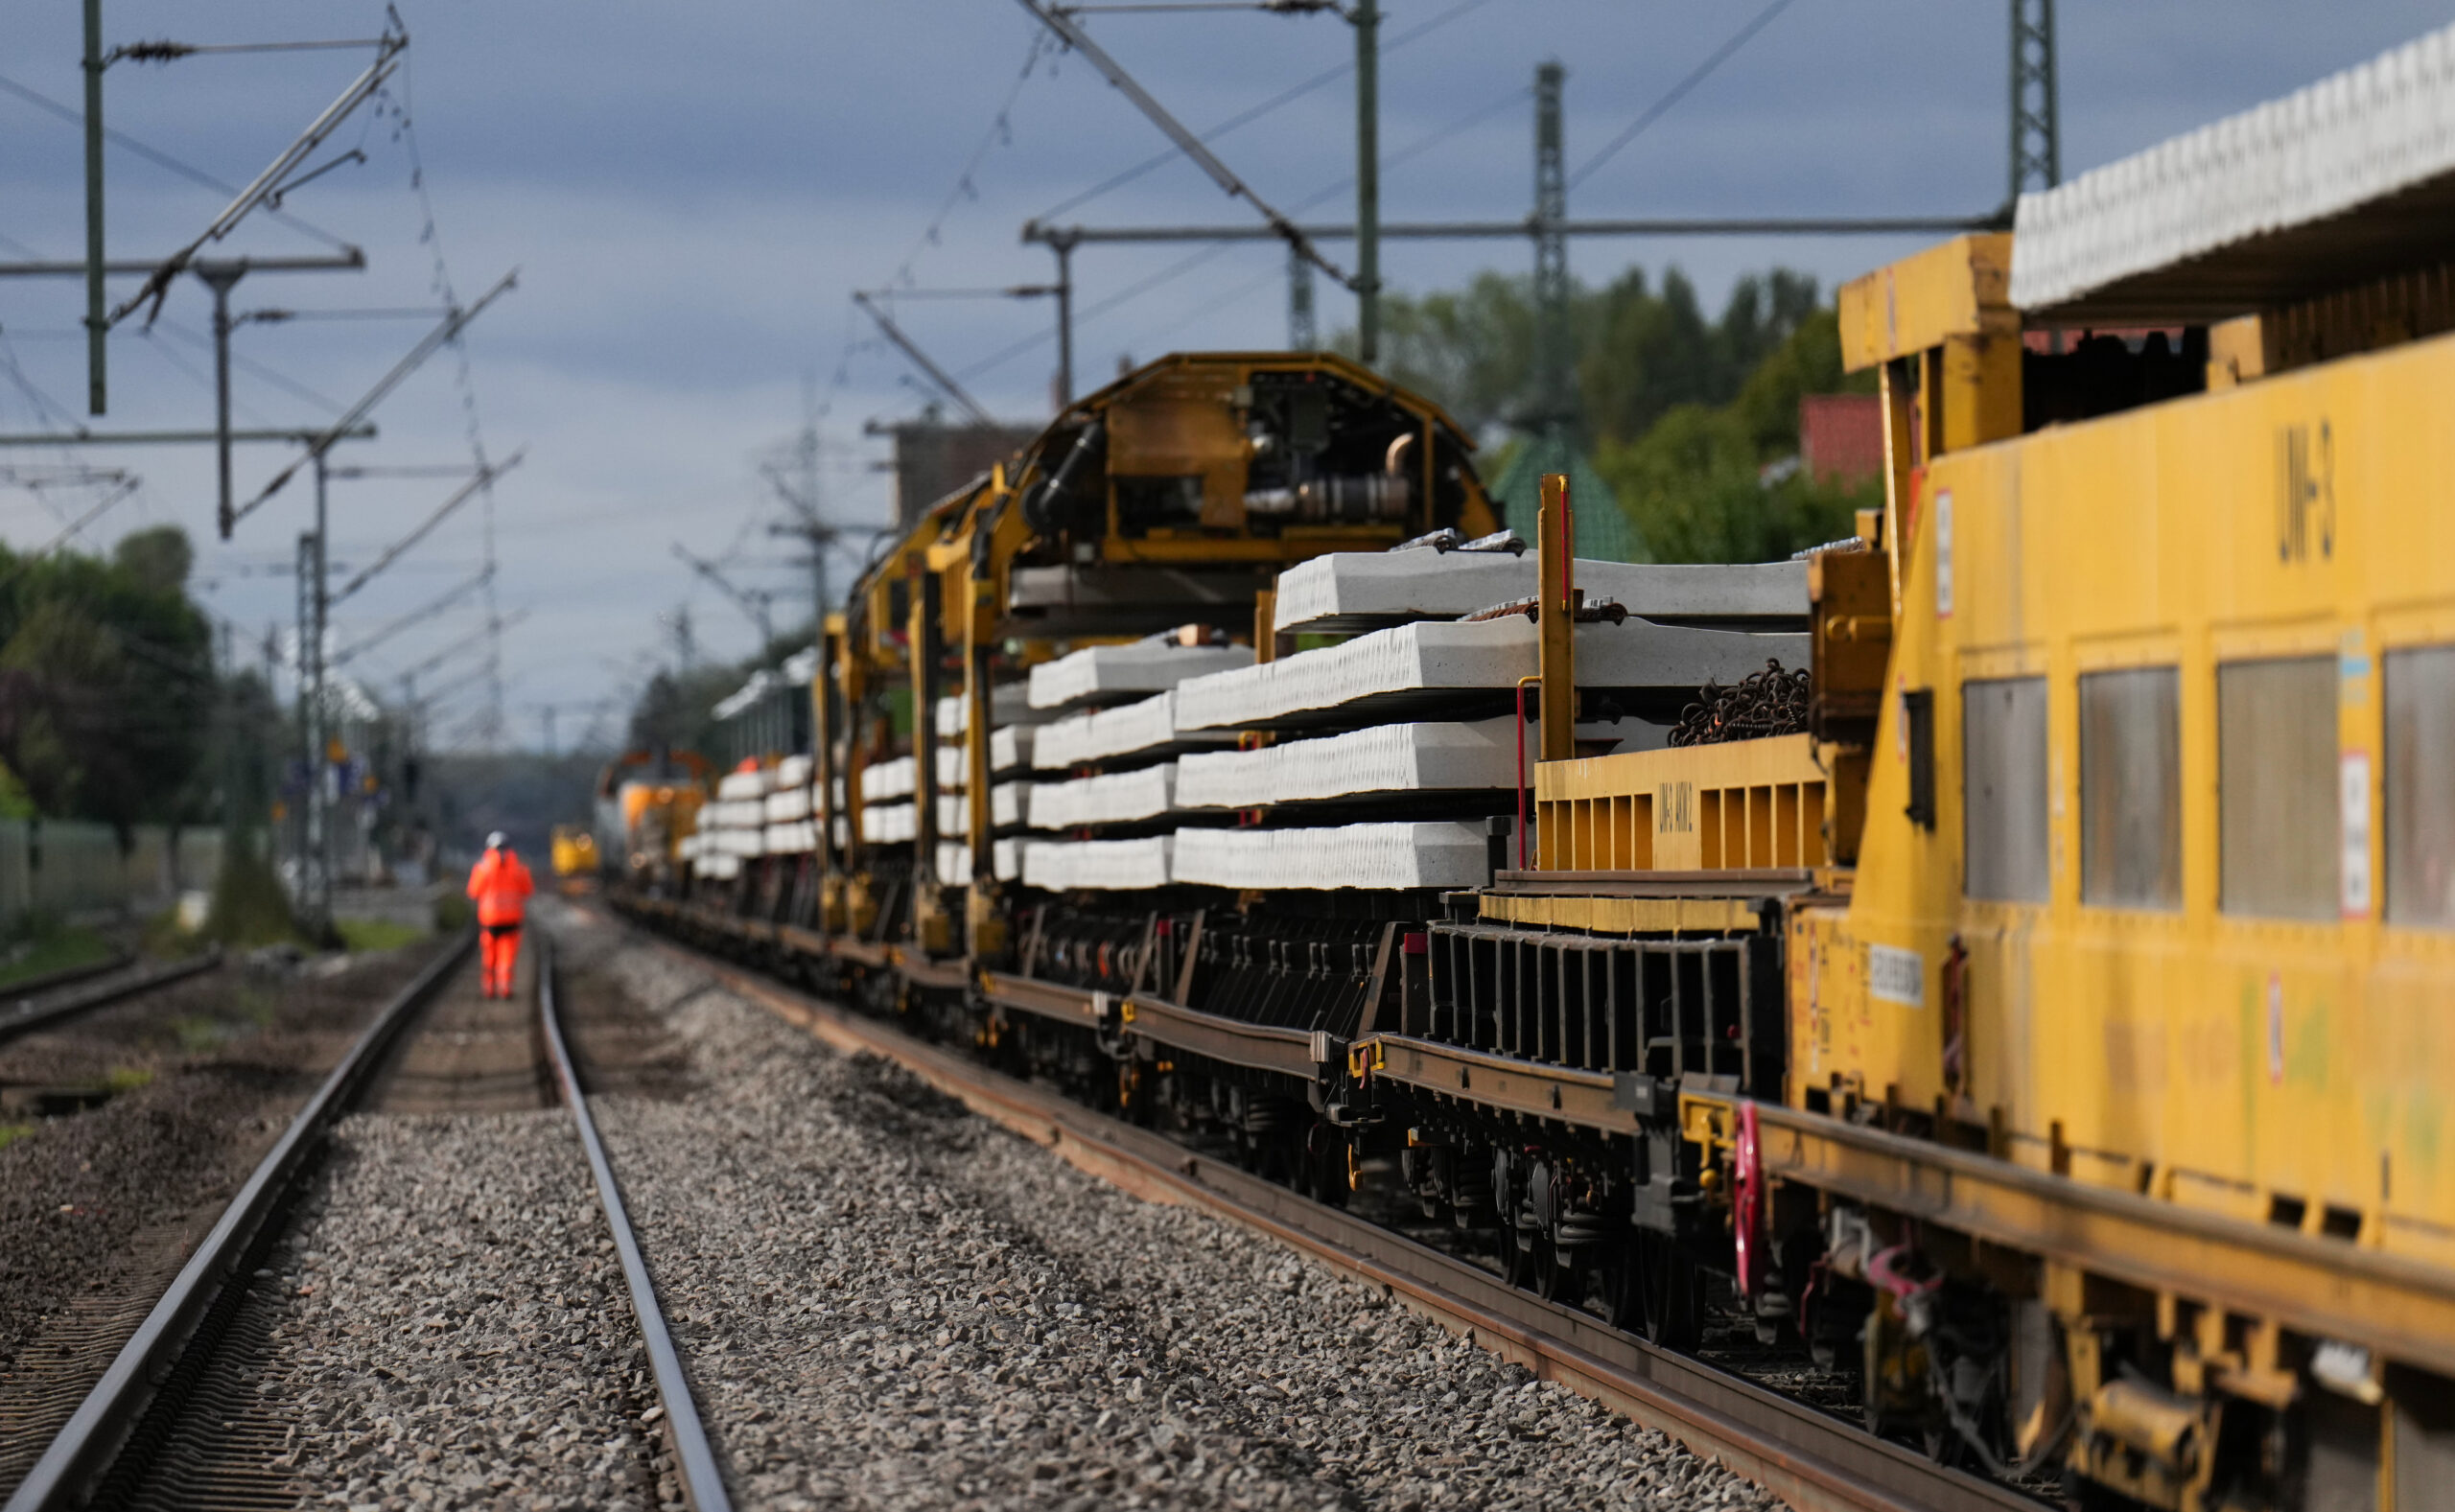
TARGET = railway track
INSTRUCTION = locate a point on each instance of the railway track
(72, 994)
(1814, 1461)
(176, 1418)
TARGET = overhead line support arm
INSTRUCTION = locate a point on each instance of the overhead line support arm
(936, 374)
(1075, 37)
(449, 328)
(266, 183)
(1486, 230)
(394, 552)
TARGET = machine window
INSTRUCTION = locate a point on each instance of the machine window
(2003, 723)
(2421, 787)
(2277, 823)
(1918, 723)
(2131, 818)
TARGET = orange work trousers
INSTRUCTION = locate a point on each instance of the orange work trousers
(497, 951)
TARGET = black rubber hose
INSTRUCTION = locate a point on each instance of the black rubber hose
(1037, 512)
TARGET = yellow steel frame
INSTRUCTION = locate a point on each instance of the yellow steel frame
(1744, 803)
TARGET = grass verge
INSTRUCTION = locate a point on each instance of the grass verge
(376, 933)
(53, 948)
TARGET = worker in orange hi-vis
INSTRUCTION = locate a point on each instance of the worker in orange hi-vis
(500, 884)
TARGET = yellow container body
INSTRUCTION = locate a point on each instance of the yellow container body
(2296, 1070)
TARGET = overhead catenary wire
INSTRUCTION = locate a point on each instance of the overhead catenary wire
(394, 552)
(162, 160)
(946, 381)
(1191, 145)
(1098, 308)
(383, 386)
(418, 616)
(431, 236)
(1000, 129)
(1248, 117)
(113, 496)
(1680, 90)
(240, 360)
(270, 182)
(494, 625)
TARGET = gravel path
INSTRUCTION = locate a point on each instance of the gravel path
(457, 1333)
(890, 1303)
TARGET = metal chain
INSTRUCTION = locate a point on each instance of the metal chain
(1772, 702)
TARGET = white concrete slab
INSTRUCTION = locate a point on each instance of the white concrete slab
(1008, 704)
(743, 784)
(1377, 857)
(954, 861)
(1435, 664)
(1010, 747)
(1114, 799)
(790, 840)
(1481, 756)
(1114, 674)
(1355, 590)
(888, 824)
(1145, 729)
(1103, 865)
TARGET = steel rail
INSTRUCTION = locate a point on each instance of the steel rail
(702, 1483)
(26, 988)
(84, 1450)
(1815, 1463)
(26, 1015)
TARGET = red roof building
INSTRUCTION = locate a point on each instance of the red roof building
(1841, 437)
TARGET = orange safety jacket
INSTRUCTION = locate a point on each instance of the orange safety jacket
(501, 885)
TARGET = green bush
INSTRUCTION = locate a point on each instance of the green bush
(452, 912)
(1693, 487)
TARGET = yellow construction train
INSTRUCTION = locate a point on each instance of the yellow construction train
(2034, 993)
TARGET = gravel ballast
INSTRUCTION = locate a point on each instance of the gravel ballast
(455, 1331)
(100, 1208)
(887, 1302)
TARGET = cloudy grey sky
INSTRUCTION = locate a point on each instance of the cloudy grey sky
(691, 192)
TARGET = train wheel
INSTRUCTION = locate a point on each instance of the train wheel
(1327, 1164)
(1623, 1308)
(1670, 1292)
(1517, 1255)
(1558, 1277)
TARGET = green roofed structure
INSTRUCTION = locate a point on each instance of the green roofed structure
(1604, 532)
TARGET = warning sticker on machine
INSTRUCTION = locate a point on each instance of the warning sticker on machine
(1897, 976)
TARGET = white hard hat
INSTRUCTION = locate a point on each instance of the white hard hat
(497, 841)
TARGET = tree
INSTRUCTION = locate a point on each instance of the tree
(1473, 350)
(1639, 352)
(1723, 484)
(106, 687)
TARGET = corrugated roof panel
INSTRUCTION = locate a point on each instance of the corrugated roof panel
(2235, 216)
